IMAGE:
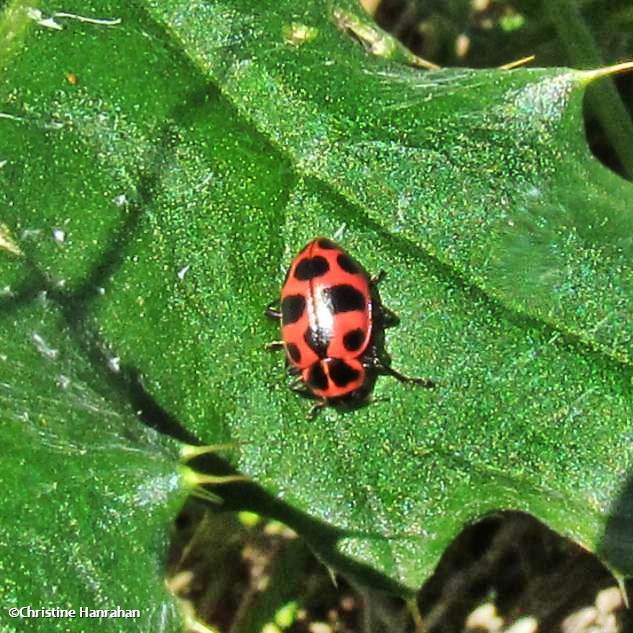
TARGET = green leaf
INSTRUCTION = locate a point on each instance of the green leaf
(88, 492)
(506, 245)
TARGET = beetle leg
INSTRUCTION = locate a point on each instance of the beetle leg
(274, 346)
(272, 312)
(296, 384)
(301, 389)
(388, 317)
(316, 408)
(376, 279)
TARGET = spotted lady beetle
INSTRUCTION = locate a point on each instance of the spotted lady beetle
(332, 324)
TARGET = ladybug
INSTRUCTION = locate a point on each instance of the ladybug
(332, 324)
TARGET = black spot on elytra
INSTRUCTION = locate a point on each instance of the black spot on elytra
(293, 352)
(292, 308)
(311, 267)
(348, 264)
(326, 244)
(353, 340)
(344, 298)
(341, 373)
(317, 340)
(316, 377)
